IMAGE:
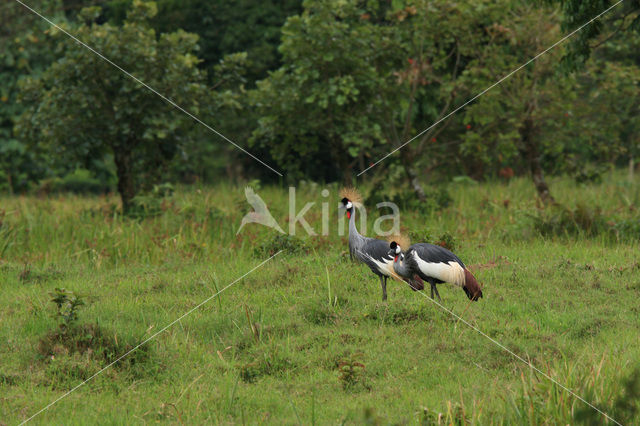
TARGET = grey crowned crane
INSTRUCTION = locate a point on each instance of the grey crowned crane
(435, 265)
(370, 251)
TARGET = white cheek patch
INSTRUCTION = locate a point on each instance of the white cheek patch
(349, 205)
(398, 250)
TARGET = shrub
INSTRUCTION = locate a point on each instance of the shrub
(561, 220)
(624, 230)
(80, 181)
(589, 173)
(436, 199)
(289, 244)
(582, 220)
(422, 235)
(151, 203)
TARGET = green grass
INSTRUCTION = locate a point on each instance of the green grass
(306, 339)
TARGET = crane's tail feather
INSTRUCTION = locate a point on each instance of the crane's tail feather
(416, 283)
(471, 286)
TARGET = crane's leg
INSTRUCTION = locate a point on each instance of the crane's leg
(437, 294)
(383, 283)
(434, 289)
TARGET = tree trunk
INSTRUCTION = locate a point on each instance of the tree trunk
(124, 170)
(10, 182)
(412, 176)
(631, 167)
(347, 177)
(528, 133)
(346, 167)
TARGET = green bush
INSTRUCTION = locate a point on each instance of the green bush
(560, 220)
(626, 230)
(423, 235)
(406, 199)
(80, 181)
(289, 244)
(582, 220)
(589, 173)
(151, 203)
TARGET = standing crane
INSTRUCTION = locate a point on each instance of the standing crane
(435, 265)
(370, 251)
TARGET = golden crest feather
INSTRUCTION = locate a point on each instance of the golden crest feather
(351, 194)
(401, 239)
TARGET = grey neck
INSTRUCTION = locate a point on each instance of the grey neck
(356, 241)
(352, 224)
(401, 268)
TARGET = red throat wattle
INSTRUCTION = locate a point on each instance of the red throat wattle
(348, 214)
(395, 259)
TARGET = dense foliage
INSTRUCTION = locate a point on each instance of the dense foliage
(320, 90)
(110, 114)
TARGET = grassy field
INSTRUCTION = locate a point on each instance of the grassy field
(305, 338)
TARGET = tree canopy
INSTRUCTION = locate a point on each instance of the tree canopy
(321, 89)
(107, 112)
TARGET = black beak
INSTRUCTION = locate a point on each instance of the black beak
(392, 253)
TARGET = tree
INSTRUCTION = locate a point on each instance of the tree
(316, 110)
(622, 19)
(358, 79)
(27, 50)
(438, 39)
(82, 108)
(611, 82)
(224, 27)
(522, 120)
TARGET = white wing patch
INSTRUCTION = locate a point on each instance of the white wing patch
(384, 267)
(450, 272)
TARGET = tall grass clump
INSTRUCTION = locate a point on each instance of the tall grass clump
(540, 401)
(78, 350)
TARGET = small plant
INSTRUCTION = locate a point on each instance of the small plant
(67, 303)
(351, 371)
